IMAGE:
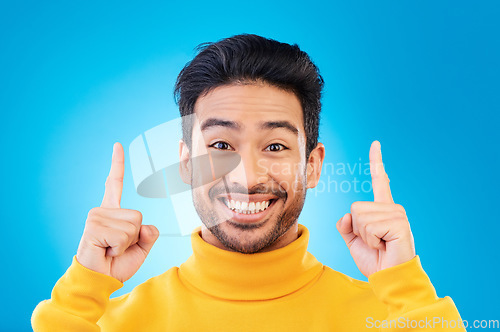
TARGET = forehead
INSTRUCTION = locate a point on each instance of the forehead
(250, 103)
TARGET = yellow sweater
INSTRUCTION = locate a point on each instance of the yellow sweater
(217, 290)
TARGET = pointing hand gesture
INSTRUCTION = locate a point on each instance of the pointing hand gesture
(114, 241)
(377, 233)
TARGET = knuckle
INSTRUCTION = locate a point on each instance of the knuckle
(136, 215)
(400, 208)
(369, 228)
(93, 233)
(403, 225)
(362, 218)
(122, 238)
(91, 225)
(94, 212)
(131, 229)
(355, 206)
(93, 221)
(400, 215)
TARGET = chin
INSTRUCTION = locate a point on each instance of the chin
(247, 238)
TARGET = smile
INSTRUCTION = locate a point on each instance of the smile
(245, 207)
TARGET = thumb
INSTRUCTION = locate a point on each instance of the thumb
(147, 237)
(344, 226)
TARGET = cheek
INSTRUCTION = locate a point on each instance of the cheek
(201, 193)
(278, 168)
(289, 175)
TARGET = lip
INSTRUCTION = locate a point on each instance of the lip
(246, 218)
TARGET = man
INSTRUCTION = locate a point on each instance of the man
(250, 269)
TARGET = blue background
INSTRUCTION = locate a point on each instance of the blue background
(420, 76)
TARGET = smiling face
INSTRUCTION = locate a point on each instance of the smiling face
(255, 206)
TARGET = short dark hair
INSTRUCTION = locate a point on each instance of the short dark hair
(248, 58)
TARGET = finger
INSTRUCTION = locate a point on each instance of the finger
(344, 226)
(374, 234)
(365, 218)
(130, 215)
(355, 225)
(147, 237)
(121, 225)
(368, 206)
(362, 222)
(115, 242)
(378, 234)
(380, 180)
(114, 182)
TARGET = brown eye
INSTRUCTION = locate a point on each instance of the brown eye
(221, 145)
(275, 147)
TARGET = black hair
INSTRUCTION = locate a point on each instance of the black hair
(248, 58)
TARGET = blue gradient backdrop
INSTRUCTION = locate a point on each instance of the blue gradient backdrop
(420, 76)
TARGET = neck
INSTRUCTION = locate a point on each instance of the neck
(286, 238)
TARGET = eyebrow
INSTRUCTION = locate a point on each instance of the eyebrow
(214, 122)
(280, 124)
(267, 125)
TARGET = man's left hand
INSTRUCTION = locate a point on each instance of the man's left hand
(377, 233)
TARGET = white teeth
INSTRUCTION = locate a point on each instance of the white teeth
(245, 207)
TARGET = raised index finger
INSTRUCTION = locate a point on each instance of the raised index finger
(380, 180)
(114, 182)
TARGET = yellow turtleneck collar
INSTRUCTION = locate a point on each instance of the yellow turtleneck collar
(260, 276)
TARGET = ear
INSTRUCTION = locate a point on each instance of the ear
(184, 162)
(314, 165)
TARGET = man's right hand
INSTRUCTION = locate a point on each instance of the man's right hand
(114, 241)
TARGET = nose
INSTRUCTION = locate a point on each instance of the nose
(251, 170)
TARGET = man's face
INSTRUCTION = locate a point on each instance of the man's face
(254, 205)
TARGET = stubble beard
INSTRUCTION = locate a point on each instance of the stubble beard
(285, 219)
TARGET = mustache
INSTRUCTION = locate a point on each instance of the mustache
(225, 188)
